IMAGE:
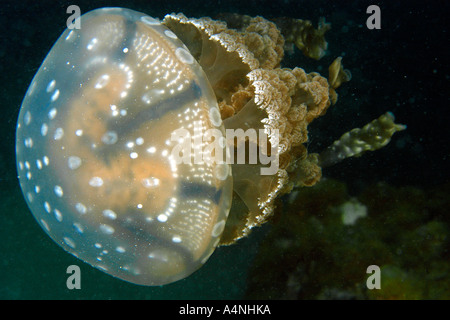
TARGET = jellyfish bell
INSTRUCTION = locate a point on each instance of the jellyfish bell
(112, 100)
(93, 150)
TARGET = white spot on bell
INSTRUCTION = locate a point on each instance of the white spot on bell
(45, 225)
(27, 118)
(176, 239)
(81, 208)
(149, 20)
(69, 242)
(58, 215)
(218, 228)
(39, 164)
(58, 191)
(44, 129)
(55, 96)
(96, 182)
(184, 55)
(74, 162)
(47, 207)
(51, 86)
(221, 171)
(108, 213)
(120, 249)
(134, 155)
(110, 137)
(78, 227)
(52, 113)
(59, 133)
(150, 182)
(28, 142)
(102, 82)
(162, 218)
(70, 36)
(92, 44)
(107, 229)
(170, 34)
(140, 141)
(214, 116)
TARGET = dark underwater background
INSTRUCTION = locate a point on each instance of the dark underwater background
(305, 252)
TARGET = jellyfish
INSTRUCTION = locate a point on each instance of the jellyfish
(122, 145)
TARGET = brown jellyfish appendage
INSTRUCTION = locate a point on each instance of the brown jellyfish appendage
(242, 64)
(296, 32)
(253, 92)
(336, 76)
(304, 36)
